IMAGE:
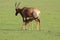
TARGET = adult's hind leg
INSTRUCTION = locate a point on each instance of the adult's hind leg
(38, 24)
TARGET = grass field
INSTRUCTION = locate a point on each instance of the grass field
(10, 25)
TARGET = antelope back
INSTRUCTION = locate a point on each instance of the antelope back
(29, 11)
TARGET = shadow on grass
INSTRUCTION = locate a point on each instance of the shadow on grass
(10, 30)
(44, 32)
(19, 30)
(54, 33)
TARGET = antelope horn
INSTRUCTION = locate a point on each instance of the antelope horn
(17, 5)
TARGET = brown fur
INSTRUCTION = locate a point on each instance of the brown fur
(29, 14)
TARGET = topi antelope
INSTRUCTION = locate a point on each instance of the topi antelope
(28, 15)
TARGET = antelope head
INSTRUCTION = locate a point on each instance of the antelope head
(17, 8)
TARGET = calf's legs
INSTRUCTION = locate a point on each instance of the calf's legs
(30, 20)
(25, 22)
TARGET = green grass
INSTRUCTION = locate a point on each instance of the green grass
(10, 25)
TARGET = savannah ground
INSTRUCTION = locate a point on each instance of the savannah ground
(10, 25)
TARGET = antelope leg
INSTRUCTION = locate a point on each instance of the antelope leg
(38, 24)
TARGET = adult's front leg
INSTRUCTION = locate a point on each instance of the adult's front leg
(24, 26)
(24, 23)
